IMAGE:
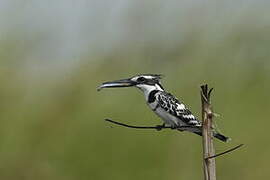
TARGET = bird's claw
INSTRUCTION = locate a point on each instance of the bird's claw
(160, 127)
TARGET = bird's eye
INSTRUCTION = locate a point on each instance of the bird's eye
(141, 79)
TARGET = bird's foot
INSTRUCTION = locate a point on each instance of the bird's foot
(160, 127)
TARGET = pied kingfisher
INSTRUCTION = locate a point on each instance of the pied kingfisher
(173, 112)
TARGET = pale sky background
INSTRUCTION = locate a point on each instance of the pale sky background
(62, 32)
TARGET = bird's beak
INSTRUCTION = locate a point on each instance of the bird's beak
(118, 83)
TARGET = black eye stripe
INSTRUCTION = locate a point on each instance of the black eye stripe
(141, 79)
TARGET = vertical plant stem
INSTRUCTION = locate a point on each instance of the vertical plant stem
(209, 165)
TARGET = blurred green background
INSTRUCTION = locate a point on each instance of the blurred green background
(53, 55)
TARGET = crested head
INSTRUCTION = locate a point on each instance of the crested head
(148, 82)
(147, 78)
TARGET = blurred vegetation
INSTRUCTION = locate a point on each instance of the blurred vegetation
(52, 126)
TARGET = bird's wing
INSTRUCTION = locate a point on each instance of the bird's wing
(170, 104)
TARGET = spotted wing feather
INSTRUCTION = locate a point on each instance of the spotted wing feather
(173, 106)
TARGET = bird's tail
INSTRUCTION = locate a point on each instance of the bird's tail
(217, 135)
(221, 137)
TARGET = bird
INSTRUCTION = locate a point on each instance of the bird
(173, 112)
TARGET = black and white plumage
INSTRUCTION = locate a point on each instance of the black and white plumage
(173, 112)
(165, 103)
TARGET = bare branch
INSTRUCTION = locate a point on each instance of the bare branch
(208, 146)
(209, 95)
(158, 127)
(203, 96)
(225, 152)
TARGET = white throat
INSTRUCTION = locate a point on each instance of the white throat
(146, 89)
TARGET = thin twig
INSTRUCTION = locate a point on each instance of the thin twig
(166, 127)
(205, 99)
(225, 152)
(158, 127)
(209, 95)
(132, 126)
